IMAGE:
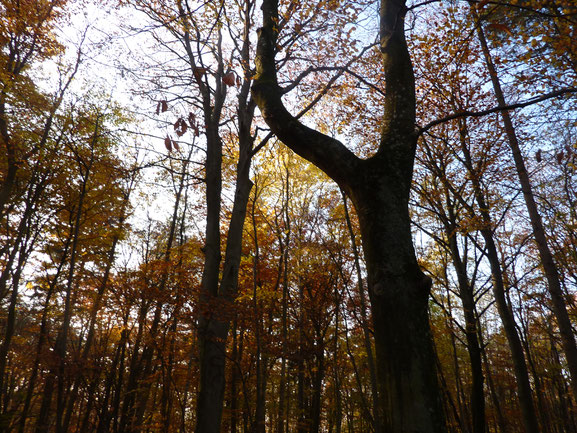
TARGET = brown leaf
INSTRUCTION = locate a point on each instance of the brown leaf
(560, 156)
(199, 72)
(180, 127)
(175, 144)
(191, 119)
(538, 156)
(501, 27)
(168, 143)
(229, 78)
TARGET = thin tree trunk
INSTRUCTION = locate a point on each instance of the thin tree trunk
(338, 405)
(520, 367)
(496, 403)
(42, 335)
(233, 398)
(62, 339)
(105, 413)
(477, 398)
(93, 318)
(282, 422)
(42, 423)
(317, 384)
(547, 262)
(260, 403)
(302, 426)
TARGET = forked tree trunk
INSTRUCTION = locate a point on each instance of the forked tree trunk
(379, 188)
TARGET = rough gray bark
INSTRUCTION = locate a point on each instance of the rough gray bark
(379, 189)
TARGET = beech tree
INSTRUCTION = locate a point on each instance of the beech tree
(113, 320)
(379, 188)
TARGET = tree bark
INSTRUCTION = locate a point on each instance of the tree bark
(379, 188)
(473, 347)
(213, 330)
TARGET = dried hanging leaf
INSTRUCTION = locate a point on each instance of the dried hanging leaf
(196, 131)
(180, 127)
(199, 72)
(229, 78)
(538, 156)
(168, 143)
(191, 119)
(501, 27)
(175, 144)
(560, 156)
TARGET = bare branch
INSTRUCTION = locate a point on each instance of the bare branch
(498, 109)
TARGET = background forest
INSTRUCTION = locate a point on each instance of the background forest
(143, 200)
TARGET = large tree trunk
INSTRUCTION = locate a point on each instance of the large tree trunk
(379, 188)
(399, 293)
(214, 330)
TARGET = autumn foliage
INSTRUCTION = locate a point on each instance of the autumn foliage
(164, 250)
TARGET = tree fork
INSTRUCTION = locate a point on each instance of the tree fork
(379, 189)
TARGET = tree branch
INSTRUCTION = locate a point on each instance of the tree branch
(521, 104)
(327, 153)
